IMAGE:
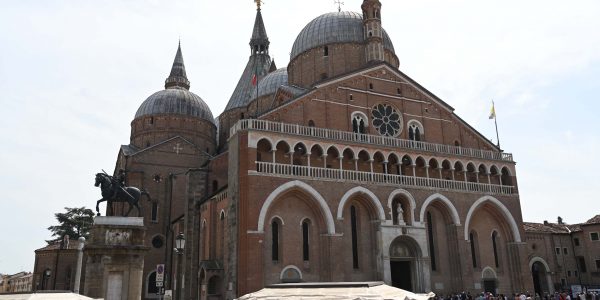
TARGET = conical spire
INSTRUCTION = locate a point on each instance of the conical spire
(259, 43)
(178, 76)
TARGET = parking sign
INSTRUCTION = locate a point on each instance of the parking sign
(160, 274)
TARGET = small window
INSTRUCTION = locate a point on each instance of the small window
(598, 264)
(326, 51)
(370, 86)
(151, 120)
(311, 123)
(305, 241)
(215, 185)
(563, 282)
(557, 251)
(242, 116)
(457, 143)
(351, 97)
(576, 241)
(594, 236)
(399, 91)
(575, 273)
(157, 242)
(154, 213)
(568, 273)
(275, 241)
(565, 251)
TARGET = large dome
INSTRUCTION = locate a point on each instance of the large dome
(175, 100)
(271, 82)
(331, 28)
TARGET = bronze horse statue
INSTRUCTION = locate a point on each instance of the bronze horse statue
(113, 192)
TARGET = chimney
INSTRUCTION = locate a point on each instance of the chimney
(560, 221)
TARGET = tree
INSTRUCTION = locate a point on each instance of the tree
(76, 222)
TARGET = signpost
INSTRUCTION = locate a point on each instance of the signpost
(160, 278)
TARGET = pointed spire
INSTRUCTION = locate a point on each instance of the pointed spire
(177, 77)
(259, 43)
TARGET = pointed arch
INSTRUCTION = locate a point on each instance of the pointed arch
(296, 184)
(449, 205)
(411, 199)
(359, 189)
(509, 218)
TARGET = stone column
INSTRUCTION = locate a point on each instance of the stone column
(79, 265)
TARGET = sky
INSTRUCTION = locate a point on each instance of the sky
(73, 73)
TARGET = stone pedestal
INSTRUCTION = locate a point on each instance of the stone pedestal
(115, 258)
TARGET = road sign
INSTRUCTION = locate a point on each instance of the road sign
(161, 291)
(160, 273)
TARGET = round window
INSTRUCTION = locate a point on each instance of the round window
(387, 120)
(157, 242)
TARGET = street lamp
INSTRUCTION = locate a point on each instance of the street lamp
(179, 248)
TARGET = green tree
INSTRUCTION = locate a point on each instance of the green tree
(75, 222)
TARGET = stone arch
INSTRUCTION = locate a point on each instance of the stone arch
(359, 189)
(278, 218)
(260, 139)
(296, 184)
(540, 260)
(411, 199)
(488, 273)
(290, 267)
(451, 209)
(509, 218)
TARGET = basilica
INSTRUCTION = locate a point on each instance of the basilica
(336, 168)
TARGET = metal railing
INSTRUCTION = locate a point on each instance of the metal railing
(330, 134)
(379, 178)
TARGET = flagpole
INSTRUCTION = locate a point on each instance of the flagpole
(496, 123)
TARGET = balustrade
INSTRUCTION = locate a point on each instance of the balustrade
(324, 133)
(378, 178)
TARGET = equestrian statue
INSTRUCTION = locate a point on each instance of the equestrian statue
(114, 190)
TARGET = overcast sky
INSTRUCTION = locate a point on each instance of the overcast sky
(73, 73)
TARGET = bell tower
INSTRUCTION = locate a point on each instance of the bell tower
(373, 32)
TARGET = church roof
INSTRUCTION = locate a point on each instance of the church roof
(176, 97)
(272, 82)
(331, 28)
(259, 63)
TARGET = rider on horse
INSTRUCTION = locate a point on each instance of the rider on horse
(118, 182)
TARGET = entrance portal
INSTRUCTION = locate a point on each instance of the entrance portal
(403, 264)
(540, 284)
(401, 275)
(489, 286)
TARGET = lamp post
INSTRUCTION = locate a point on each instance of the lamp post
(179, 248)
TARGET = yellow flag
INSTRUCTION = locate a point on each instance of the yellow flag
(493, 112)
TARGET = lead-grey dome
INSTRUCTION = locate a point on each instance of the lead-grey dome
(175, 100)
(271, 82)
(335, 27)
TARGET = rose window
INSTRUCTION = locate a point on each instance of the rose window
(387, 120)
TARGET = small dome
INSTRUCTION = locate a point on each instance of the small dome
(271, 82)
(175, 100)
(331, 28)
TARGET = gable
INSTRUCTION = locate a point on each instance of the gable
(333, 103)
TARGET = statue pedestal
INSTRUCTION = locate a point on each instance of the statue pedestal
(115, 258)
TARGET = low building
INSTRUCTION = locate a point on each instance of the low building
(563, 255)
(16, 283)
(55, 266)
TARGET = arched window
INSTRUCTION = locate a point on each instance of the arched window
(359, 122)
(473, 240)
(495, 246)
(431, 242)
(275, 241)
(354, 237)
(415, 130)
(311, 123)
(305, 241)
(326, 51)
(151, 288)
